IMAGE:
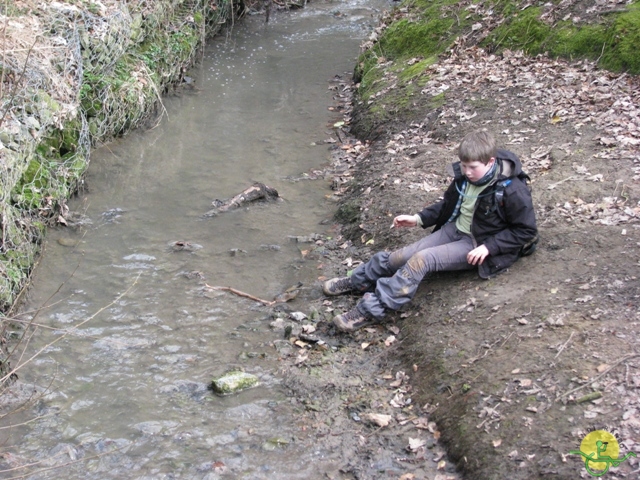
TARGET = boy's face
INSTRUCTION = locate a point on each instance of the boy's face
(475, 170)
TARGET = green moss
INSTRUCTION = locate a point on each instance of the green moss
(613, 41)
(407, 39)
(348, 213)
(233, 382)
(520, 31)
(625, 41)
(35, 174)
(429, 32)
(58, 143)
(412, 72)
(437, 101)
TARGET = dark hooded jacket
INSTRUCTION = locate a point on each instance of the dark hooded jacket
(503, 225)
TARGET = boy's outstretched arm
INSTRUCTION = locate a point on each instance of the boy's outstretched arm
(406, 221)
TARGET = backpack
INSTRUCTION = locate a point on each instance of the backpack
(501, 186)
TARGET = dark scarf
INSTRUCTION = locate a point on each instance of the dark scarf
(488, 177)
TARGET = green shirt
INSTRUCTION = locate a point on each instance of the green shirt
(471, 194)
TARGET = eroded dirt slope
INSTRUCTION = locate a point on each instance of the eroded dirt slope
(515, 371)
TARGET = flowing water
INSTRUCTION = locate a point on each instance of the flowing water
(125, 390)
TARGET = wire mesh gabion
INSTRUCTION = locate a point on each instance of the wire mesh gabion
(74, 74)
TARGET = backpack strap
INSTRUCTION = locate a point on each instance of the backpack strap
(499, 192)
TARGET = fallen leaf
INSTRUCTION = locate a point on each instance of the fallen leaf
(421, 422)
(365, 345)
(393, 329)
(308, 328)
(442, 464)
(390, 340)
(415, 444)
(497, 442)
(397, 401)
(379, 419)
(585, 299)
(301, 358)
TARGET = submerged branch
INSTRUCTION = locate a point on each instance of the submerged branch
(258, 191)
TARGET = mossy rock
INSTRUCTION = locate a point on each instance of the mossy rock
(348, 212)
(233, 382)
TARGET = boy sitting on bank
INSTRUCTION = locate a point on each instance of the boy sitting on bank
(485, 220)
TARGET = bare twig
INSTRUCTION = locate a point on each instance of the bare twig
(563, 346)
(35, 355)
(29, 401)
(28, 421)
(601, 53)
(17, 82)
(4, 62)
(39, 309)
(623, 359)
(242, 294)
(73, 462)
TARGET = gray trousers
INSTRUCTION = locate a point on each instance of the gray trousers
(392, 278)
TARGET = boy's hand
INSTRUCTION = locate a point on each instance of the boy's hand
(404, 221)
(477, 255)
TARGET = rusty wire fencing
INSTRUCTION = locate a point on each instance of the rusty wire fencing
(71, 75)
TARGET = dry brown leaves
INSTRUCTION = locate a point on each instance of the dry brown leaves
(554, 89)
(538, 89)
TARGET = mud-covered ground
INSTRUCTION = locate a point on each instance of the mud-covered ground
(501, 371)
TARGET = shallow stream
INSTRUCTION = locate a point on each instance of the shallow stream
(125, 390)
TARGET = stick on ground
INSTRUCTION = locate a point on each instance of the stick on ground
(242, 294)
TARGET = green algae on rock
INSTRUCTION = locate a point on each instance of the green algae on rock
(233, 382)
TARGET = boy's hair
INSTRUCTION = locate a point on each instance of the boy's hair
(477, 146)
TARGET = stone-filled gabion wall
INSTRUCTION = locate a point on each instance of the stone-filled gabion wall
(74, 73)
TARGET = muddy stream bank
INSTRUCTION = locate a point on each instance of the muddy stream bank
(129, 336)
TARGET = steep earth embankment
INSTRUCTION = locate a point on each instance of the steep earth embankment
(517, 370)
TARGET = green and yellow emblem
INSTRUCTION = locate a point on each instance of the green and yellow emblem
(600, 451)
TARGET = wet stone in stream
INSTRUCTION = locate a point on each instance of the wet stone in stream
(183, 246)
(233, 382)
